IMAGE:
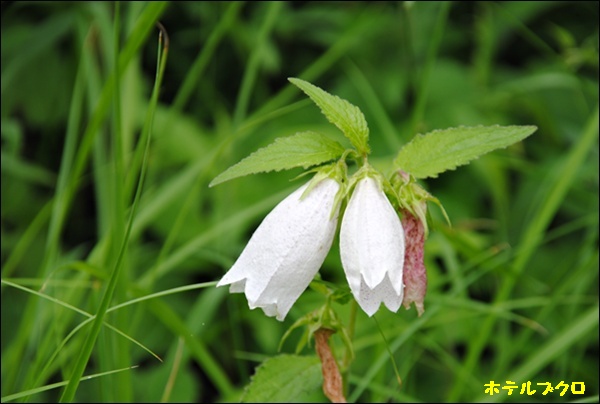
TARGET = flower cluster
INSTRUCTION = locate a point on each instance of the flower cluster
(288, 248)
(381, 241)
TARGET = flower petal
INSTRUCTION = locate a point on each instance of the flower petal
(370, 299)
(286, 250)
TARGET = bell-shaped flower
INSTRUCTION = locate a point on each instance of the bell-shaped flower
(372, 248)
(287, 249)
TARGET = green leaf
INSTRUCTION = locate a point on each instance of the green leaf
(347, 117)
(304, 149)
(284, 379)
(441, 150)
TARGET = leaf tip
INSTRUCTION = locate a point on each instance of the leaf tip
(216, 181)
(533, 128)
(294, 80)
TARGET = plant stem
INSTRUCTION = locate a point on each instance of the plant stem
(333, 385)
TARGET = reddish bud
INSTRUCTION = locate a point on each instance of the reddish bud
(415, 276)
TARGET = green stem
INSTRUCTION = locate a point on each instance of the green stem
(348, 354)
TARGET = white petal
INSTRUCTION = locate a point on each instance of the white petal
(372, 242)
(286, 250)
(370, 299)
(237, 287)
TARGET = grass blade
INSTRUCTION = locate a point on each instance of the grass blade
(31, 392)
(86, 351)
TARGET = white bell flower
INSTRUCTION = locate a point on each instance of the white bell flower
(372, 248)
(287, 249)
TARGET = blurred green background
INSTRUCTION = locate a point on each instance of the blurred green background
(513, 283)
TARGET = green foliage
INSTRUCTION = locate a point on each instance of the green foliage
(347, 117)
(445, 149)
(284, 379)
(424, 156)
(303, 149)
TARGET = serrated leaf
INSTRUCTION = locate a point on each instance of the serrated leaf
(284, 379)
(347, 117)
(441, 150)
(304, 149)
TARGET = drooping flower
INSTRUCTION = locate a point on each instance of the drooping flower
(372, 248)
(287, 249)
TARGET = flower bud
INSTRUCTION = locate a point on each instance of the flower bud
(415, 276)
